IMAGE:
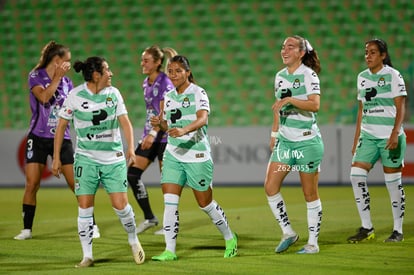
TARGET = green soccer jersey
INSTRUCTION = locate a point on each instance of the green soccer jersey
(377, 93)
(95, 119)
(296, 124)
(179, 111)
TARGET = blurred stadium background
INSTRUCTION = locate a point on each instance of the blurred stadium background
(233, 47)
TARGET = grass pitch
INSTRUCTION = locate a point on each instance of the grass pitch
(55, 247)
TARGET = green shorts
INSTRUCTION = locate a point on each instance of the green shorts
(303, 156)
(88, 176)
(197, 175)
(370, 150)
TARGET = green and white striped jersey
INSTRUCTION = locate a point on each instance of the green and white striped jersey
(377, 93)
(95, 119)
(179, 111)
(296, 124)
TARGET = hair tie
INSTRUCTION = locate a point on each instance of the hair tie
(308, 46)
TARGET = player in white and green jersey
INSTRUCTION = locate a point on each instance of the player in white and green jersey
(295, 141)
(379, 135)
(187, 159)
(97, 111)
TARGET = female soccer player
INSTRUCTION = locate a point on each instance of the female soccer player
(153, 141)
(295, 139)
(49, 86)
(187, 159)
(379, 134)
(97, 110)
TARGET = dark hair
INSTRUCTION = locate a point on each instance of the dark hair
(49, 51)
(310, 58)
(185, 64)
(92, 64)
(159, 54)
(383, 48)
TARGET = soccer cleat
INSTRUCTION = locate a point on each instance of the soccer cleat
(86, 262)
(147, 224)
(395, 237)
(165, 256)
(362, 235)
(24, 235)
(138, 253)
(159, 232)
(96, 234)
(231, 247)
(287, 240)
(309, 249)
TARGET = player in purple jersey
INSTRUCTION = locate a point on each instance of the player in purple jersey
(49, 86)
(153, 141)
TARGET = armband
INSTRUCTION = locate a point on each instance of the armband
(273, 134)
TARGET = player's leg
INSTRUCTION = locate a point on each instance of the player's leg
(309, 183)
(87, 175)
(36, 157)
(200, 176)
(173, 179)
(114, 180)
(365, 156)
(277, 169)
(309, 156)
(143, 160)
(393, 162)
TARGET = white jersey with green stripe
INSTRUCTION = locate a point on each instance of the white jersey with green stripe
(296, 124)
(377, 93)
(179, 111)
(95, 119)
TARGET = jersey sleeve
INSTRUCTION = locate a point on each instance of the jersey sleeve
(312, 83)
(165, 88)
(202, 102)
(121, 108)
(34, 80)
(276, 85)
(398, 85)
(68, 108)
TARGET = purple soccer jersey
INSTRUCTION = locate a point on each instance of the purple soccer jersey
(153, 95)
(44, 116)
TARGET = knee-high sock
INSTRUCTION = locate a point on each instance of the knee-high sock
(397, 197)
(28, 215)
(127, 218)
(314, 213)
(362, 198)
(218, 217)
(85, 230)
(278, 207)
(171, 221)
(140, 191)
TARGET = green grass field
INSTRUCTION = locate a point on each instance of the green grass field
(55, 248)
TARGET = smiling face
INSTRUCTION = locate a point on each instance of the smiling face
(291, 53)
(373, 57)
(178, 76)
(148, 64)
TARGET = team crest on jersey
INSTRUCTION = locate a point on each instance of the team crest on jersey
(186, 102)
(109, 102)
(381, 82)
(296, 84)
(155, 91)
